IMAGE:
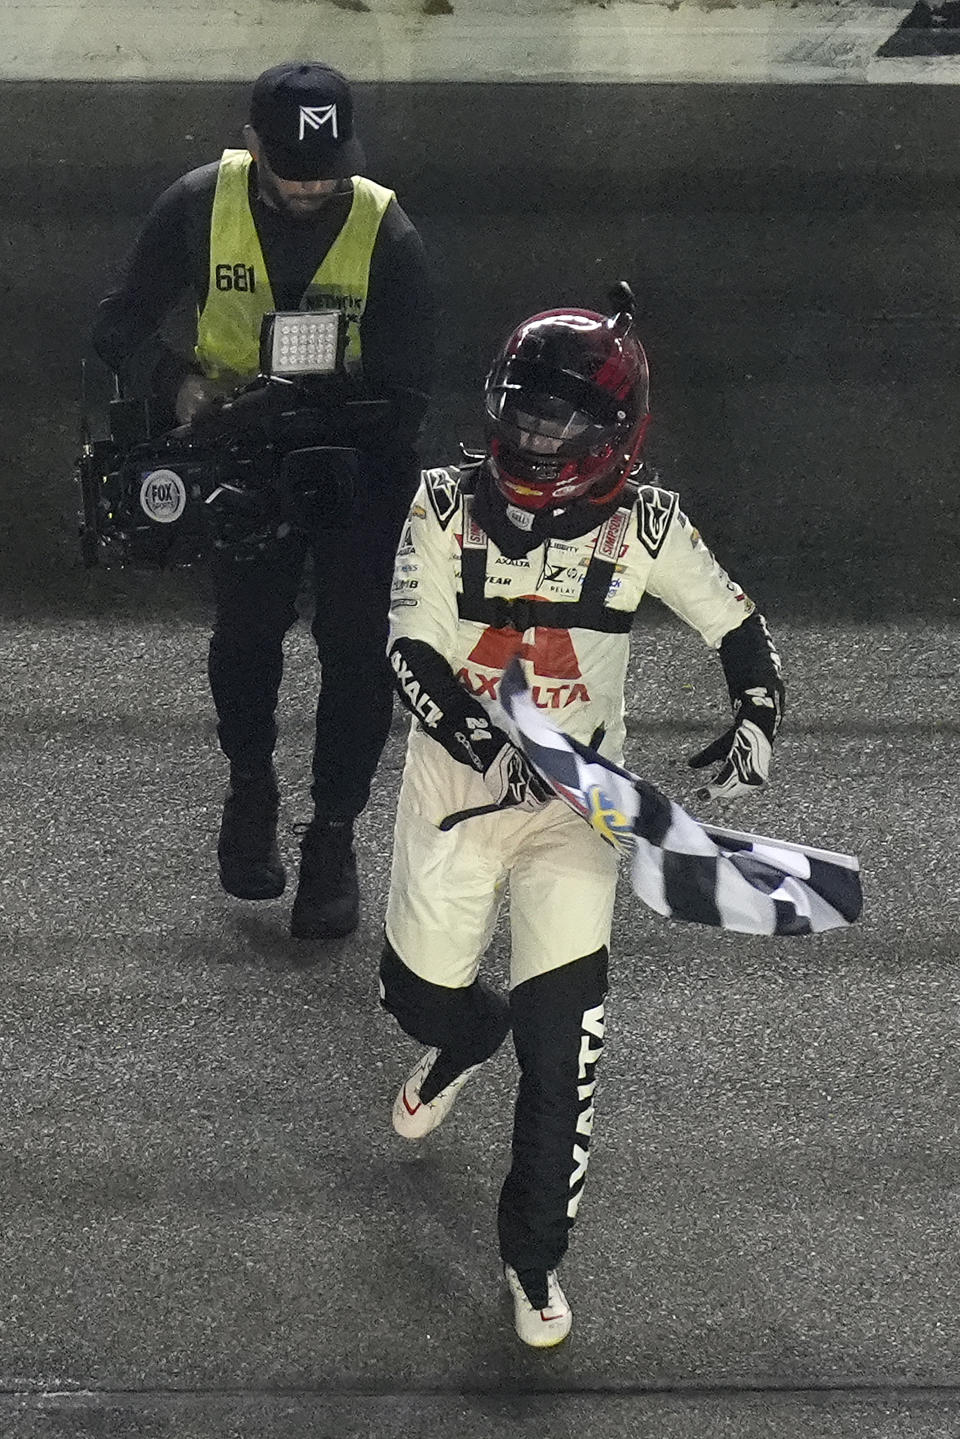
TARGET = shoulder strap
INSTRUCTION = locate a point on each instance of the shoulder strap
(588, 611)
(473, 561)
(606, 552)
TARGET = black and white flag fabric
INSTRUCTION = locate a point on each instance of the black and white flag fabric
(679, 867)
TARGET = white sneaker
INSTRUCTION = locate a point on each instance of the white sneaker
(411, 1117)
(540, 1328)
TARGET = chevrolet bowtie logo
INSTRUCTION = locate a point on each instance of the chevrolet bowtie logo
(314, 117)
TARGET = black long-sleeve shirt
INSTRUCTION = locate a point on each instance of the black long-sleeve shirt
(170, 260)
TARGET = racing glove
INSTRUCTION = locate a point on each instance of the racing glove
(743, 751)
(513, 781)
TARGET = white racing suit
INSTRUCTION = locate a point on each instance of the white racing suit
(461, 609)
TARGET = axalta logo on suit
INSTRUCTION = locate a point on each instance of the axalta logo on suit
(551, 654)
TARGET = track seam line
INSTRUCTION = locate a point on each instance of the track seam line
(850, 1389)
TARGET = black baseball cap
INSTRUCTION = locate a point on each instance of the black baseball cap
(303, 115)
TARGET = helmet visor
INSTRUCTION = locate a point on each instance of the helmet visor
(551, 414)
(548, 428)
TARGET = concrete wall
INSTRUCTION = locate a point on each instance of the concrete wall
(462, 40)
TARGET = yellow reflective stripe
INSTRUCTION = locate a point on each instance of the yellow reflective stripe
(228, 328)
(342, 281)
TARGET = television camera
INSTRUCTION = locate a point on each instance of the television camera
(280, 453)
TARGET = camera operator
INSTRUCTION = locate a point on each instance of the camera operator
(289, 223)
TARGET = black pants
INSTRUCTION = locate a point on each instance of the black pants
(256, 606)
(557, 1020)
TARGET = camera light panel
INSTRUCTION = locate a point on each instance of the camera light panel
(305, 342)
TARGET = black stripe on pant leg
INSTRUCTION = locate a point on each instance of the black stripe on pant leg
(467, 1025)
(558, 1034)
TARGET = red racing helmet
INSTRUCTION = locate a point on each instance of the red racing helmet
(567, 406)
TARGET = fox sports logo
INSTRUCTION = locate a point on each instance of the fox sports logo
(163, 496)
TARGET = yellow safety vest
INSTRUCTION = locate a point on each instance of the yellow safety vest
(238, 292)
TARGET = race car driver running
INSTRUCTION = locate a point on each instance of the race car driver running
(542, 548)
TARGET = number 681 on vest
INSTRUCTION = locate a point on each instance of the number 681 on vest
(236, 277)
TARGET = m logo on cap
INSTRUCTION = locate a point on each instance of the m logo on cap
(314, 117)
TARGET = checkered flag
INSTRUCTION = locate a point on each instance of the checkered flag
(679, 867)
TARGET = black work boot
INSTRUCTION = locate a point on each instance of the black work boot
(250, 864)
(327, 903)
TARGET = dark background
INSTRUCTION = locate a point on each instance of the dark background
(794, 248)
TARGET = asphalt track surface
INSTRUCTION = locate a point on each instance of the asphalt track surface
(209, 1227)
